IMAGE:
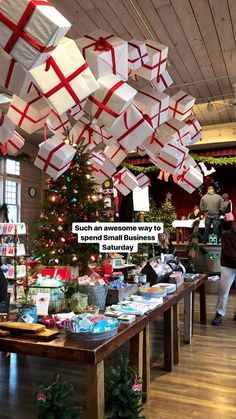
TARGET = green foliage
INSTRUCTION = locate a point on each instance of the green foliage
(166, 214)
(53, 400)
(121, 400)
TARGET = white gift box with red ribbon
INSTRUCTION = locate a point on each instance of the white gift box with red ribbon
(154, 144)
(190, 179)
(86, 134)
(58, 123)
(181, 105)
(55, 156)
(30, 30)
(111, 99)
(77, 111)
(131, 129)
(65, 79)
(162, 82)
(153, 104)
(102, 167)
(179, 130)
(29, 113)
(105, 54)
(13, 145)
(137, 54)
(116, 153)
(195, 130)
(189, 161)
(7, 128)
(143, 180)
(172, 157)
(125, 181)
(156, 64)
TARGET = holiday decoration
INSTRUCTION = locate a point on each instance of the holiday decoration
(29, 113)
(154, 144)
(181, 105)
(87, 133)
(57, 123)
(143, 180)
(195, 130)
(54, 156)
(141, 150)
(116, 153)
(124, 181)
(190, 179)
(206, 171)
(172, 157)
(189, 161)
(166, 214)
(162, 82)
(7, 128)
(13, 145)
(179, 130)
(105, 54)
(65, 79)
(153, 104)
(131, 129)
(77, 110)
(111, 99)
(137, 54)
(30, 30)
(141, 198)
(102, 167)
(156, 65)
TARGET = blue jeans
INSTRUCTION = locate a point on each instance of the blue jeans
(214, 221)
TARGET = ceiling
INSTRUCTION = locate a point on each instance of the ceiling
(200, 35)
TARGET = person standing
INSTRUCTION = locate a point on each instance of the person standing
(210, 206)
(226, 210)
(228, 272)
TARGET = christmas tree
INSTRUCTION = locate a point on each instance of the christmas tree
(166, 214)
(149, 216)
(72, 198)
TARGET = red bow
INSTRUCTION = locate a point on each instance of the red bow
(118, 177)
(102, 45)
(182, 175)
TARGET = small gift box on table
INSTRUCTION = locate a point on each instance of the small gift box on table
(181, 105)
(179, 130)
(102, 167)
(55, 156)
(153, 104)
(156, 64)
(30, 30)
(125, 181)
(172, 157)
(77, 111)
(86, 133)
(137, 54)
(190, 179)
(13, 145)
(65, 79)
(162, 82)
(7, 128)
(131, 129)
(195, 130)
(111, 99)
(29, 113)
(143, 180)
(58, 123)
(105, 54)
(116, 153)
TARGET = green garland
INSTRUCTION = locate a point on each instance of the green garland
(215, 161)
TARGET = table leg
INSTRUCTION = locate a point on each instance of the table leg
(188, 318)
(193, 308)
(202, 295)
(182, 235)
(146, 362)
(176, 333)
(136, 353)
(168, 340)
(177, 235)
(95, 391)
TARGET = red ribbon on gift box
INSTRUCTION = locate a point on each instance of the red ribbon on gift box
(120, 148)
(118, 178)
(102, 44)
(18, 30)
(158, 65)
(193, 123)
(2, 118)
(139, 52)
(175, 109)
(102, 105)
(9, 73)
(50, 154)
(178, 132)
(181, 178)
(89, 129)
(24, 113)
(62, 124)
(140, 122)
(13, 144)
(170, 164)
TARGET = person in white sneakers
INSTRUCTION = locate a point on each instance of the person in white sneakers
(228, 273)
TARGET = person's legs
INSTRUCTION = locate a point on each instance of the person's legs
(216, 226)
(227, 279)
(208, 221)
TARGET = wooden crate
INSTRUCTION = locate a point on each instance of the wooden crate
(115, 296)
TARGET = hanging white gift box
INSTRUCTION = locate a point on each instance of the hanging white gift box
(156, 64)
(141, 151)
(162, 82)
(116, 153)
(58, 123)
(190, 179)
(125, 181)
(131, 129)
(141, 199)
(86, 134)
(195, 130)
(102, 167)
(179, 130)
(55, 156)
(171, 157)
(105, 54)
(30, 30)
(7, 128)
(65, 79)
(111, 99)
(189, 161)
(137, 54)
(153, 104)
(77, 111)
(143, 180)
(29, 113)
(13, 145)
(154, 144)
(181, 105)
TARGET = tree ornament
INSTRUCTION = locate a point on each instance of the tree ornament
(59, 228)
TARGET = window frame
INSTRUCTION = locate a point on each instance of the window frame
(4, 177)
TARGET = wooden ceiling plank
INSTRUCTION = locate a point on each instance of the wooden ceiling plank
(206, 114)
(96, 16)
(197, 112)
(207, 28)
(232, 9)
(73, 13)
(125, 15)
(222, 19)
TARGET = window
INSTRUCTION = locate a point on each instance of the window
(10, 187)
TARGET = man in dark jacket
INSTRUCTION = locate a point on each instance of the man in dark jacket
(210, 206)
(228, 272)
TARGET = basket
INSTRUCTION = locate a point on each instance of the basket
(69, 327)
(97, 294)
(57, 300)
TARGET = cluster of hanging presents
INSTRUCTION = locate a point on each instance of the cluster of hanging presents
(56, 80)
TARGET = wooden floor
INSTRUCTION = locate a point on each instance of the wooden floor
(202, 386)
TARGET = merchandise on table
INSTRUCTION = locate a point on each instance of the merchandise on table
(88, 327)
(169, 287)
(153, 292)
(53, 286)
